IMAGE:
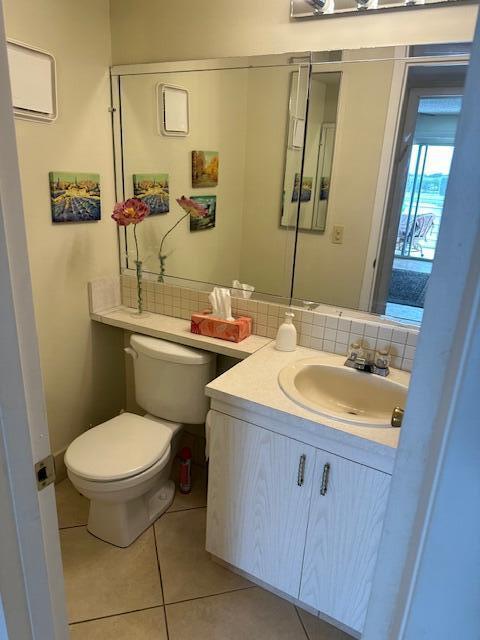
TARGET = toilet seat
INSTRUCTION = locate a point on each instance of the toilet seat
(118, 449)
(121, 485)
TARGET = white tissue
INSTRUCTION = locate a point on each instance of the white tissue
(221, 302)
(241, 290)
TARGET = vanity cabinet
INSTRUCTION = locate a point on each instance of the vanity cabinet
(258, 498)
(346, 517)
(298, 518)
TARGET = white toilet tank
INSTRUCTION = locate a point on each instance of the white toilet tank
(170, 379)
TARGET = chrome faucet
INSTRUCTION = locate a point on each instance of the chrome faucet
(362, 359)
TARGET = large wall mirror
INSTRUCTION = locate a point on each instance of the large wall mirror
(238, 118)
(324, 174)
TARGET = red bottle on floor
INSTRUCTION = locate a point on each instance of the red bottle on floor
(185, 470)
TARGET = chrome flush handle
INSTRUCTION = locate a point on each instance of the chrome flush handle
(301, 470)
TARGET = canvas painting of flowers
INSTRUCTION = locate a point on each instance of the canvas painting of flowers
(204, 168)
(199, 223)
(74, 197)
(153, 189)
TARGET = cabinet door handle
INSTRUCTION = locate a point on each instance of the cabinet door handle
(301, 470)
(326, 473)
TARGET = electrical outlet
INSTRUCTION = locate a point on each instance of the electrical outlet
(337, 234)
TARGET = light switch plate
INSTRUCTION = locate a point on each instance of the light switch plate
(337, 234)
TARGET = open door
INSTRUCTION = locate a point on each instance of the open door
(419, 182)
(32, 602)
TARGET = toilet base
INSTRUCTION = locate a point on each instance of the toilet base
(120, 523)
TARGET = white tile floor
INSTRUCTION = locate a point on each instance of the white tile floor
(165, 586)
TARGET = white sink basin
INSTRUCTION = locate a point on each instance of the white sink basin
(324, 385)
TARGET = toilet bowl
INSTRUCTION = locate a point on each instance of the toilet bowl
(123, 465)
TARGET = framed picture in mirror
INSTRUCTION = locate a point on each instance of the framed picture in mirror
(153, 189)
(204, 169)
(206, 222)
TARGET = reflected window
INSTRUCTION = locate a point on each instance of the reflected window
(423, 201)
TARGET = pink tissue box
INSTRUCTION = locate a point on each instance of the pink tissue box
(236, 330)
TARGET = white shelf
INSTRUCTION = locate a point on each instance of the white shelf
(177, 330)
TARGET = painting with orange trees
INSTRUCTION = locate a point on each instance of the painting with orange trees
(204, 168)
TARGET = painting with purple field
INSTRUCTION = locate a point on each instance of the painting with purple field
(153, 189)
(305, 190)
(75, 197)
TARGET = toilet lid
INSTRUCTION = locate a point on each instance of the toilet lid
(119, 448)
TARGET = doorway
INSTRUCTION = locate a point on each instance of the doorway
(424, 154)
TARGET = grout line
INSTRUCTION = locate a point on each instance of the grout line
(203, 506)
(161, 581)
(73, 526)
(116, 615)
(211, 595)
(301, 622)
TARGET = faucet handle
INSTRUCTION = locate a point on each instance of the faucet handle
(356, 350)
(382, 358)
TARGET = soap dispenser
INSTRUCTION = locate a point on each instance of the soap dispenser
(287, 334)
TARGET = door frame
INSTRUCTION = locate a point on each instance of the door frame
(403, 146)
(393, 124)
(31, 579)
(426, 581)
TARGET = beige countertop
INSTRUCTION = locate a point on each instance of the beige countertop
(252, 389)
(177, 330)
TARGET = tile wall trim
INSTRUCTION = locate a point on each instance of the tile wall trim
(317, 330)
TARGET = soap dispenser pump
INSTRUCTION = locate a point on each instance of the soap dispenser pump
(287, 334)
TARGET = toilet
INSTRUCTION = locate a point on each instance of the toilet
(123, 465)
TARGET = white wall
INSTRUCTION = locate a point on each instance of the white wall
(82, 363)
(188, 29)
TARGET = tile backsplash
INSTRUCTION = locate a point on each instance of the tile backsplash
(318, 330)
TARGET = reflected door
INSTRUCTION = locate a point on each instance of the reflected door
(421, 183)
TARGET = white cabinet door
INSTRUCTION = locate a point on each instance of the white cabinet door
(258, 501)
(344, 529)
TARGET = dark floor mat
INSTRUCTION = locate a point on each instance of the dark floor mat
(408, 287)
